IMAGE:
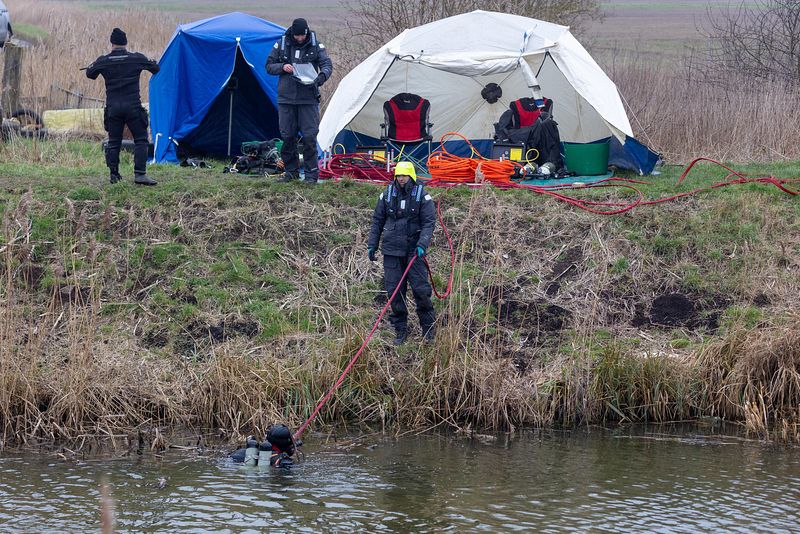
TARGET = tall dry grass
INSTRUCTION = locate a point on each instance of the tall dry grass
(70, 370)
(755, 376)
(673, 110)
(58, 379)
(52, 78)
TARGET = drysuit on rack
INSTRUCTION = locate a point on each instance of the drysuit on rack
(525, 122)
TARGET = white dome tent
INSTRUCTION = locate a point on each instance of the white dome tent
(451, 60)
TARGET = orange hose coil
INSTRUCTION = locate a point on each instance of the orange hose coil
(445, 167)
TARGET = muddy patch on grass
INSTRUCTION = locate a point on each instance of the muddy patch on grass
(225, 329)
(31, 274)
(565, 268)
(74, 295)
(538, 316)
(536, 322)
(198, 334)
(156, 338)
(761, 300)
(185, 295)
(674, 310)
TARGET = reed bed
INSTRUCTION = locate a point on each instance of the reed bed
(231, 306)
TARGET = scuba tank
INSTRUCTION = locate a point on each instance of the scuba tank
(251, 452)
(547, 168)
(264, 451)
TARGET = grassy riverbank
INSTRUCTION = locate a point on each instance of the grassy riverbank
(229, 302)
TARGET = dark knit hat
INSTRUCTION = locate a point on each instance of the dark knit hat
(299, 27)
(118, 37)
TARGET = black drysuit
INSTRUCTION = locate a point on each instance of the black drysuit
(298, 104)
(121, 70)
(405, 217)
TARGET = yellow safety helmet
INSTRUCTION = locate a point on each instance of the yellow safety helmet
(406, 168)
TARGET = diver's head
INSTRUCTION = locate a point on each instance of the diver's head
(280, 437)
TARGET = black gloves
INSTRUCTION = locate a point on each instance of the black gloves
(371, 254)
(320, 79)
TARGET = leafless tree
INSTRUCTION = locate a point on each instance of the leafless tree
(377, 21)
(759, 39)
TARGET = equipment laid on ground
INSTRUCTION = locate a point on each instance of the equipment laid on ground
(512, 151)
(258, 157)
(587, 159)
(451, 61)
(379, 151)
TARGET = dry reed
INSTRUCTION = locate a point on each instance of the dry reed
(519, 342)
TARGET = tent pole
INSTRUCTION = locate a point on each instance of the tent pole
(230, 123)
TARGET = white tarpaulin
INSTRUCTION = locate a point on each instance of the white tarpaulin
(450, 61)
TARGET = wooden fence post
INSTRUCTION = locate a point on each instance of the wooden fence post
(12, 73)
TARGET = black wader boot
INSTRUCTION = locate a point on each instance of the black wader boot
(401, 336)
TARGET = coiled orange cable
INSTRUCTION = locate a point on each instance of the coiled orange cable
(446, 168)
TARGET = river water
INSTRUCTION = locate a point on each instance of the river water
(642, 479)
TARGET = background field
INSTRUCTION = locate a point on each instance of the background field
(643, 46)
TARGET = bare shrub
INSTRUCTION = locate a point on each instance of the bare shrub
(679, 114)
(760, 39)
(377, 21)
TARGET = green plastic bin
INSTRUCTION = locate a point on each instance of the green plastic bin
(586, 159)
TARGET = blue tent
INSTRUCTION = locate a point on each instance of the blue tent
(213, 92)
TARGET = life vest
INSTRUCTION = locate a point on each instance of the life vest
(308, 54)
(393, 205)
(526, 111)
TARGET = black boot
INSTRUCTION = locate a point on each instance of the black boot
(114, 177)
(401, 337)
(143, 179)
(429, 334)
(288, 176)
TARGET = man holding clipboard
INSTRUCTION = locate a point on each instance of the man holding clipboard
(302, 65)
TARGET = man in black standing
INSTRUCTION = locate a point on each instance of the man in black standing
(303, 65)
(120, 70)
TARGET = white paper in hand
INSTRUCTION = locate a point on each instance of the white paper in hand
(305, 73)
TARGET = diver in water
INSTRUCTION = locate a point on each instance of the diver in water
(278, 448)
(283, 445)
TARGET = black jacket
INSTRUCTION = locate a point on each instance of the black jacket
(406, 217)
(290, 90)
(120, 70)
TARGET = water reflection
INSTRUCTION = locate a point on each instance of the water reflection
(675, 480)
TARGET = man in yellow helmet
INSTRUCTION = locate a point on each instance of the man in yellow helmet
(405, 216)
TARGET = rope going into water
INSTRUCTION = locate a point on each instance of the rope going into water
(355, 357)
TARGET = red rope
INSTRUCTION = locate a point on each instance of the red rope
(365, 167)
(452, 258)
(360, 167)
(353, 360)
(449, 171)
